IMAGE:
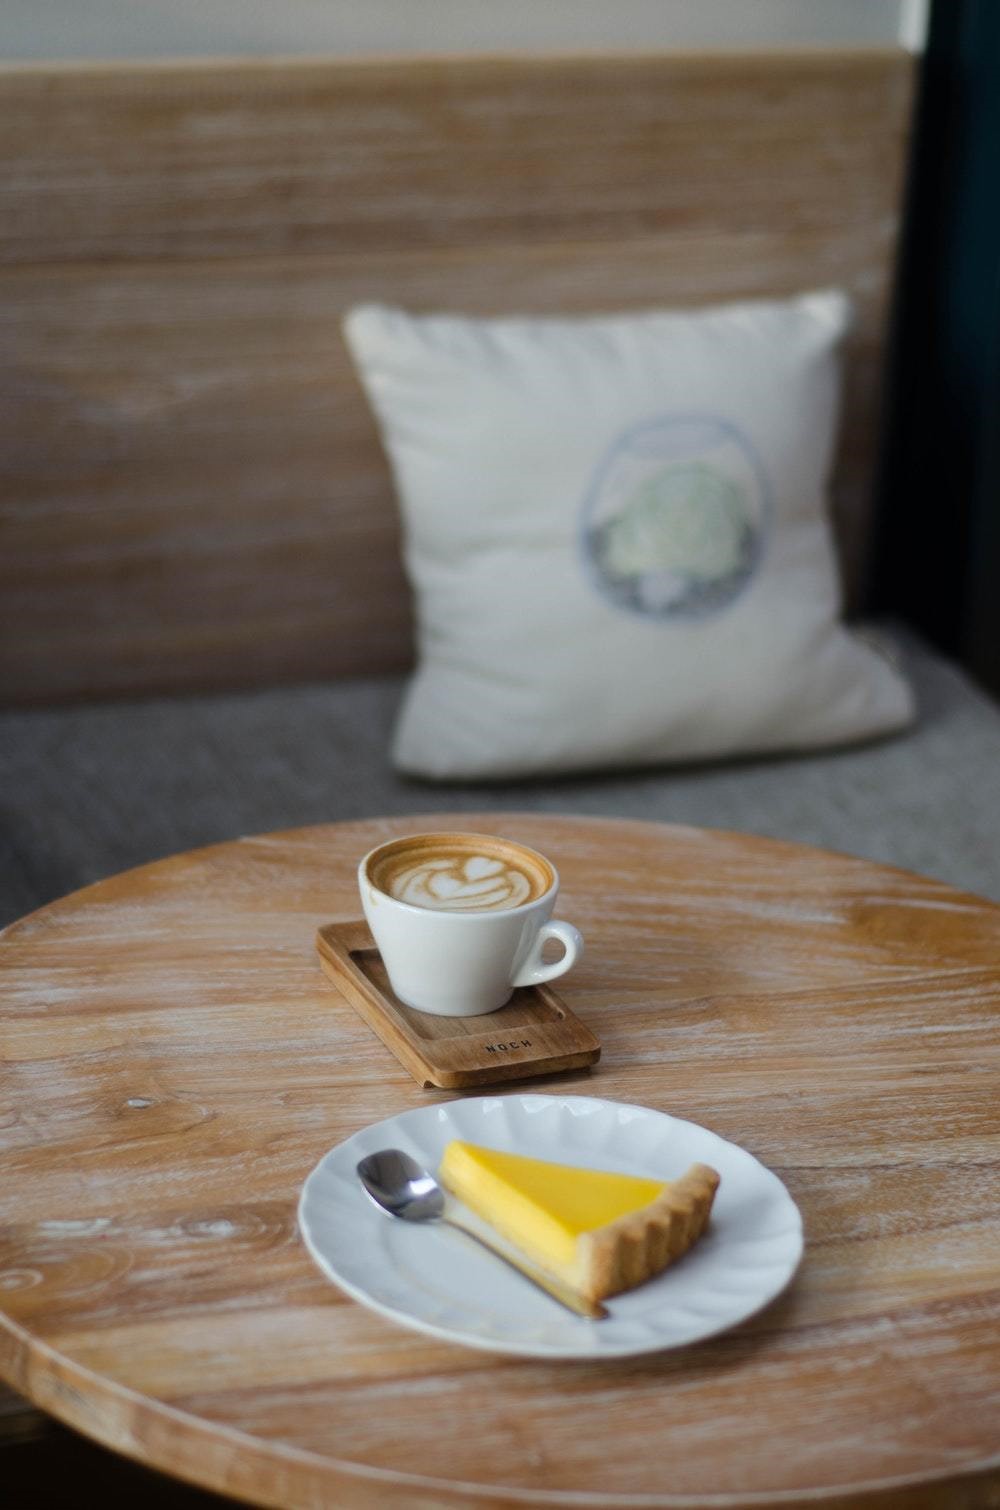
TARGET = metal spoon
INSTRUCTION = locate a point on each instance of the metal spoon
(399, 1185)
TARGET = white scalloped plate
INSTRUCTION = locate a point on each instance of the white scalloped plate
(435, 1280)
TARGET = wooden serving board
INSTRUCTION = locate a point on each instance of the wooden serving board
(534, 1034)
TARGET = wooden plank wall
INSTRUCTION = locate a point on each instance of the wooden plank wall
(193, 494)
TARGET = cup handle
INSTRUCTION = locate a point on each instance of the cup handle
(533, 971)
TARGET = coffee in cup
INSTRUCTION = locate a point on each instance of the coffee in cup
(461, 919)
(460, 872)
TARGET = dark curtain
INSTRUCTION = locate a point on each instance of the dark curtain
(937, 558)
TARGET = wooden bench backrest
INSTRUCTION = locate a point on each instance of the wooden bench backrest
(193, 492)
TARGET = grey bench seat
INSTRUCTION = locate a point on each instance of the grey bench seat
(90, 790)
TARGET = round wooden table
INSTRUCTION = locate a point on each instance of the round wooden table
(176, 1063)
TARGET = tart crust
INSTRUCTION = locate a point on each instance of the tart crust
(627, 1252)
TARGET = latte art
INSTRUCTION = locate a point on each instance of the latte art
(460, 873)
(464, 884)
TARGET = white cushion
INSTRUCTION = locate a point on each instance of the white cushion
(617, 535)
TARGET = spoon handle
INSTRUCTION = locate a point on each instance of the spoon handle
(552, 1286)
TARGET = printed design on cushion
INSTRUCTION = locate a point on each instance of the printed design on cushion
(674, 523)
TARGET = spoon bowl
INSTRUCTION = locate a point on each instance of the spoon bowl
(401, 1186)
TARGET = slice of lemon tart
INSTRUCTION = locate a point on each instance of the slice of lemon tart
(599, 1233)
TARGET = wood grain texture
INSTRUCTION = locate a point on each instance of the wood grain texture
(194, 494)
(176, 1063)
(534, 1034)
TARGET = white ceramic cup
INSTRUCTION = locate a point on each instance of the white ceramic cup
(462, 963)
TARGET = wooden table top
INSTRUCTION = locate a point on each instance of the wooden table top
(176, 1063)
